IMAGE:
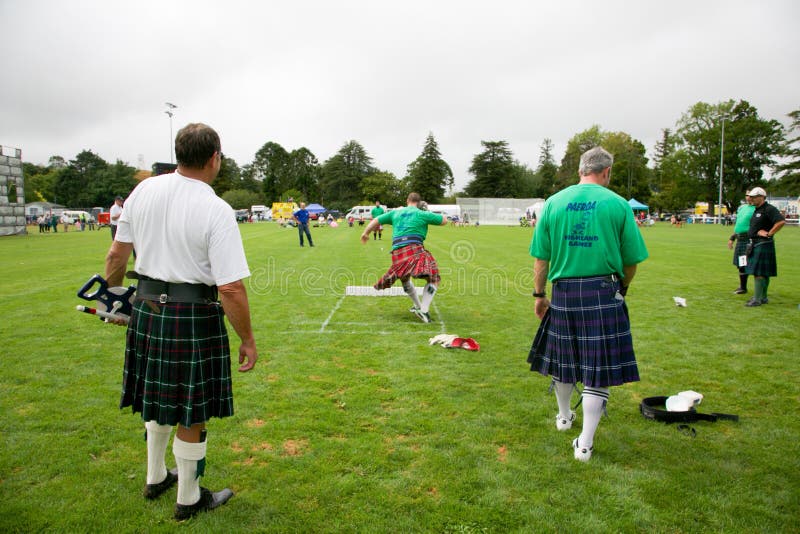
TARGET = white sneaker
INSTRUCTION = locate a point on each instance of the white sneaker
(582, 453)
(425, 317)
(564, 423)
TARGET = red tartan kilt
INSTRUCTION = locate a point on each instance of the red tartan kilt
(410, 261)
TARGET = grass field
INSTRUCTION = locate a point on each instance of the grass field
(351, 422)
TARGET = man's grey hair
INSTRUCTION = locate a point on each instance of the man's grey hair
(595, 160)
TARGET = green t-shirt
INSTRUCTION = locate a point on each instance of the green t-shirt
(376, 211)
(587, 230)
(743, 216)
(409, 221)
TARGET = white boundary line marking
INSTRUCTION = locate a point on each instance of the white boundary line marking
(330, 316)
(443, 328)
(329, 331)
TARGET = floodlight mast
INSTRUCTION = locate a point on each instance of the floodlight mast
(721, 152)
(171, 106)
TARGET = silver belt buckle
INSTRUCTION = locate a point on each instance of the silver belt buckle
(162, 298)
(614, 277)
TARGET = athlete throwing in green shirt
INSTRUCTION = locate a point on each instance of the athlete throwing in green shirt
(587, 244)
(409, 257)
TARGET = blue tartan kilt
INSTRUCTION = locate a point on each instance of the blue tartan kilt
(740, 248)
(177, 364)
(585, 335)
(763, 262)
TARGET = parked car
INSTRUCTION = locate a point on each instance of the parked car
(70, 216)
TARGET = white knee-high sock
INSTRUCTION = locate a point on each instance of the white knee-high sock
(157, 441)
(187, 455)
(411, 291)
(563, 395)
(594, 399)
(427, 297)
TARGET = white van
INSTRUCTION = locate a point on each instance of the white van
(361, 212)
(450, 211)
(70, 216)
(261, 213)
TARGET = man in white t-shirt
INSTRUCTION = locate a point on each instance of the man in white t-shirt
(114, 214)
(177, 357)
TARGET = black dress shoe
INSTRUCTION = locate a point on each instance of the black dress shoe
(208, 501)
(153, 491)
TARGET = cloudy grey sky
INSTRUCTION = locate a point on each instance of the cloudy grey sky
(96, 74)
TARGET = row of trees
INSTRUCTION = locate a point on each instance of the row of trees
(86, 181)
(685, 168)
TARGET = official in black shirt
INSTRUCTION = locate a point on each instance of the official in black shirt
(761, 260)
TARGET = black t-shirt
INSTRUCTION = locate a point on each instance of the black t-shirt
(764, 218)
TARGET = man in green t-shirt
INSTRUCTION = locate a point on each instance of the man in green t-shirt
(587, 244)
(376, 212)
(409, 257)
(740, 237)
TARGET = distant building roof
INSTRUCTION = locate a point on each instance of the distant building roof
(47, 205)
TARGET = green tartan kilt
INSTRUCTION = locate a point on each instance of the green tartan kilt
(177, 364)
(762, 262)
(740, 248)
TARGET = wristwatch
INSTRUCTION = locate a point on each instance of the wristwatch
(539, 295)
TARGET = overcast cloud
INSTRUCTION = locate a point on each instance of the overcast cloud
(96, 75)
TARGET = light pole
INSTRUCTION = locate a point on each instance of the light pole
(721, 152)
(169, 112)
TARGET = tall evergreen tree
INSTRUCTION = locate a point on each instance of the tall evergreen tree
(495, 172)
(342, 175)
(228, 178)
(788, 172)
(304, 172)
(663, 149)
(429, 175)
(546, 172)
(271, 166)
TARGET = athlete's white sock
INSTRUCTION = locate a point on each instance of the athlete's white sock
(594, 399)
(411, 291)
(427, 297)
(157, 441)
(563, 395)
(187, 456)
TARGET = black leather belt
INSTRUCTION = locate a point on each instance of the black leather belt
(164, 292)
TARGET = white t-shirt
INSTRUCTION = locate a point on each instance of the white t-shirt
(182, 232)
(115, 211)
